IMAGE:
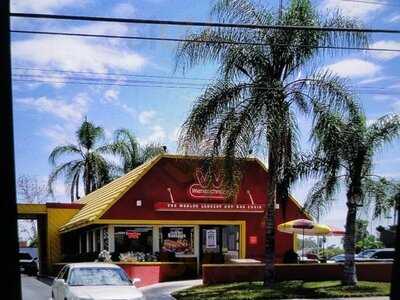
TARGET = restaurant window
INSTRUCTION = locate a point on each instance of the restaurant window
(83, 243)
(230, 241)
(105, 238)
(133, 239)
(97, 240)
(90, 241)
(177, 240)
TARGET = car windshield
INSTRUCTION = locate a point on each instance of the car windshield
(366, 253)
(98, 276)
(25, 256)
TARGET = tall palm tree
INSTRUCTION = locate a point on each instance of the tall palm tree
(83, 162)
(266, 78)
(127, 148)
(344, 152)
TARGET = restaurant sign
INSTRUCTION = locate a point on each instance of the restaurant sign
(209, 207)
(204, 189)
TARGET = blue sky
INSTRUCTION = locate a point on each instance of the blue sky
(46, 114)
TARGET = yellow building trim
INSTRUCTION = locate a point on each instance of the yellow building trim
(243, 240)
(56, 217)
(31, 209)
(98, 202)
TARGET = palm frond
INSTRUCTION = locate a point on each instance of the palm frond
(384, 130)
(209, 106)
(321, 197)
(66, 169)
(89, 135)
(59, 151)
(380, 195)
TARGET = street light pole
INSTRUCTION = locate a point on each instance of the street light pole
(12, 290)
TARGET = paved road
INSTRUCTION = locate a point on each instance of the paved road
(34, 289)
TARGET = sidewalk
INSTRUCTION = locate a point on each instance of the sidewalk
(162, 291)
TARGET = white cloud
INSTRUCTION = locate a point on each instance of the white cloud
(42, 6)
(395, 19)
(396, 106)
(374, 80)
(57, 134)
(386, 55)
(76, 54)
(124, 9)
(72, 111)
(354, 68)
(352, 9)
(157, 135)
(99, 28)
(146, 116)
(111, 95)
(174, 135)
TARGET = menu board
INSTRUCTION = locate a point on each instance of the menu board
(178, 240)
(211, 238)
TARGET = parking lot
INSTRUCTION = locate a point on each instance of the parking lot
(35, 289)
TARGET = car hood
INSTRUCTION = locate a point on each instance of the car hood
(106, 292)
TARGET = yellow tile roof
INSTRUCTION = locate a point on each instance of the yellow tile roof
(99, 201)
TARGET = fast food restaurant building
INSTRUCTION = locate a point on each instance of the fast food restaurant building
(166, 210)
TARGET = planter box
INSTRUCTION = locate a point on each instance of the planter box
(155, 272)
(228, 273)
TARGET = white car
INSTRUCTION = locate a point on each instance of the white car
(94, 281)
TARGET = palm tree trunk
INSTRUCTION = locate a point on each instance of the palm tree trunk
(269, 272)
(349, 267)
(87, 179)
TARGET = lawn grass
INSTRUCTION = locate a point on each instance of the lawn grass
(284, 290)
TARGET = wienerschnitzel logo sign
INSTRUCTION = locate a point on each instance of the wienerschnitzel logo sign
(207, 186)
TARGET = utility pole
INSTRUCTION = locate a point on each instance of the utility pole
(11, 290)
(280, 9)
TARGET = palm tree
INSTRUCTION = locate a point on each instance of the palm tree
(263, 84)
(344, 152)
(127, 148)
(83, 163)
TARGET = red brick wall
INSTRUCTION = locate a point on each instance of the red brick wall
(177, 174)
(215, 274)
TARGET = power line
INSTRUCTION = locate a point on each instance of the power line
(168, 85)
(112, 74)
(198, 24)
(122, 77)
(104, 83)
(120, 80)
(108, 79)
(197, 41)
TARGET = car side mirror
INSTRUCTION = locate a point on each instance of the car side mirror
(59, 281)
(36, 259)
(135, 280)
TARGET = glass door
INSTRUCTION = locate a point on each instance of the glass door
(211, 245)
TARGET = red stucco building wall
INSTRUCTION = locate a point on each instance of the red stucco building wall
(178, 175)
